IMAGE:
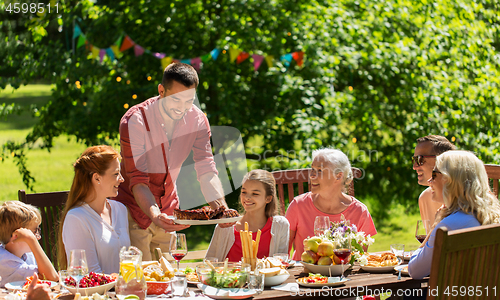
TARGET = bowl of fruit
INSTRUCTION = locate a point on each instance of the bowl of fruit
(223, 275)
(90, 284)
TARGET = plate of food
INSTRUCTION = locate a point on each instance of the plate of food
(90, 284)
(317, 280)
(225, 293)
(191, 275)
(24, 284)
(403, 268)
(381, 263)
(205, 216)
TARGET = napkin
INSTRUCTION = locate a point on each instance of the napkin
(287, 287)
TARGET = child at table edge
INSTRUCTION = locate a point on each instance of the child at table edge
(258, 199)
(20, 253)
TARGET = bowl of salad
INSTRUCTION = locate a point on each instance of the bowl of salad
(223, 275)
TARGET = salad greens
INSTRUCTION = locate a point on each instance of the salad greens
(230, 279)
(189, 270)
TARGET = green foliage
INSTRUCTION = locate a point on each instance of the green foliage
(382, 72)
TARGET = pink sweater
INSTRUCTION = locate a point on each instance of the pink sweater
(302, 212)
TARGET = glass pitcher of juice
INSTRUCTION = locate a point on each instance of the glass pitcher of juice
(131, 279)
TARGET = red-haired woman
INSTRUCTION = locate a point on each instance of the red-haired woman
(91, 221)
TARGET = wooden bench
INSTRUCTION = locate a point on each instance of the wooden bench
(466, 258)
(51, 206)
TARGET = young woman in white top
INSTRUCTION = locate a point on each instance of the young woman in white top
(258, 198)
(90, 221)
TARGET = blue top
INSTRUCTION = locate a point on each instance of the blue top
(421, 260)
(15, 268)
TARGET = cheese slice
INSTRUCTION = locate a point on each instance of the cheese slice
(165, 265)
(148, 263)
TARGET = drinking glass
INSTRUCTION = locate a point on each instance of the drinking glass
(343, 252)
(211, 259)
(78, 266)
(398, 250)
(256, 282)
(421, 231)
(179, 286)
(321, 223)
(178, 247)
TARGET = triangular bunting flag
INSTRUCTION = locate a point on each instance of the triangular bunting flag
(206, 58)
(95, 52)
(215, 53)
(233, 54)
(186, 61)
(257, 60)
(159, 55)
(241, 58)
(127, 43)
(102, 52)
(138, 50)
(76, 31)
(287, 58)
(110, 53)
(119, 41)
(115, 50)
(269, 61)
(165, 62)
(195, 62)
(81, 41)
(299, 57)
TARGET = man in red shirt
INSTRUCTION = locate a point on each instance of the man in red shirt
(156, 137)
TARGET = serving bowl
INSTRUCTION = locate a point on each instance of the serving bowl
(101, 289)
(276, 279)
(325, 270)
(234, 276)
(158, 287)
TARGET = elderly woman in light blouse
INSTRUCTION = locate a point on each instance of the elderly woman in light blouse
(331, 173)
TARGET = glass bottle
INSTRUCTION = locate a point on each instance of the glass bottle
(131, 279)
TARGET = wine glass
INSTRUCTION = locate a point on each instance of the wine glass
(343, 252)
(178, 247)
(78, 266)
(421, 231)
(321, 223)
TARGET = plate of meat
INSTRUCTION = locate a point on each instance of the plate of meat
(205, 216)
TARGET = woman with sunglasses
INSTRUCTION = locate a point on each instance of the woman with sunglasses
(459, 180)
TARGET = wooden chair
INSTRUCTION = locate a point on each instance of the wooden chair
(466, 258)
(494, 175)
(51, 206)
(300, 177)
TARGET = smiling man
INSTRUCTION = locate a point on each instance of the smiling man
(424, 159)
(156, 137)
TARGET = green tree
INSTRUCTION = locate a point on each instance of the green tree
(377, 75)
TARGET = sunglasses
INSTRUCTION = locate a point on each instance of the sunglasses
(434, 174)
(38, 233)
(420, 159)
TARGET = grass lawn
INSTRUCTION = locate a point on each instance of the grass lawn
(53, 171)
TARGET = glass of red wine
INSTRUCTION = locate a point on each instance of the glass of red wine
(178, 247)
(421, 231)
(343, 252)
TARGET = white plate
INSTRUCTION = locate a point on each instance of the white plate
(18, 285)
(378, 269)
(226, 293)
(91, 290)
(403, 268)
(334, 281)
(323, 270)
(207, 222)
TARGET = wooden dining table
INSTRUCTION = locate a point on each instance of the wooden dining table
(360, 283)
